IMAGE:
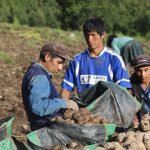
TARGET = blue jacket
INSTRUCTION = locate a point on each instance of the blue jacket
(40, 96)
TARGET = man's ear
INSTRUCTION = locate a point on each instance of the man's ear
(47, 57)
(103, 35)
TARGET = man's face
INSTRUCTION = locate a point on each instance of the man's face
(94, 40)
(54, 64)
(143, 73)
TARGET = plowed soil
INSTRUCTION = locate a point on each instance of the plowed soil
(11, 75)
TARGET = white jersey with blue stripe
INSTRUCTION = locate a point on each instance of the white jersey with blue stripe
(85, 71)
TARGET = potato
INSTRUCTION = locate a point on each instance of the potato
(53, 119)
(68, 114)
(86, 118)
(130, 139)
(145, 122)
(136, 146)
(145, 125)
(79, 147)
(131, 133)
(146, 117)
(146, 140)
(71, 145)
(68, 121)
(99, 148)
(104, 121)
(80, 120)
(121, 137)
(59, 119)
(76, 115)
(83, 111)
(113, 146)
(95, 120)
(139, 136)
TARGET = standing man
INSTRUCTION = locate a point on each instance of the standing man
(95, 63)
(40, 97)
(140, 81)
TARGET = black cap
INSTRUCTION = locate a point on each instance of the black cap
(141, 60)
(56, 49)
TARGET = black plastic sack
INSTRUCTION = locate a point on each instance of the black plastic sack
(63, 134)
(111, 102)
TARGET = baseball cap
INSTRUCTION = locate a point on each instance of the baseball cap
(141, 60)
(56, 49)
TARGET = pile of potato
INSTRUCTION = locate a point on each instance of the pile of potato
(138, 139)
(83, 116)
(131, 140)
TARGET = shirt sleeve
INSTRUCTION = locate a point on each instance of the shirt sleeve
(69, 80)
(121, 75)
(39, 101)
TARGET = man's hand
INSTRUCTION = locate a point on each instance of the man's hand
(65, 94)
(135, 122)
(131, 92)
(72, 105)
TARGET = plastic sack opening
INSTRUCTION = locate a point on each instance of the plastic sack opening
(111, 102)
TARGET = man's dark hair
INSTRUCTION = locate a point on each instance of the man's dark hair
(110, 39)
(95, 24)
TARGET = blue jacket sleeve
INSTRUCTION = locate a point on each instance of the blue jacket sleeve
(39, 101)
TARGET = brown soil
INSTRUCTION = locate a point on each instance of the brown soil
(11, 78)
(10, 81)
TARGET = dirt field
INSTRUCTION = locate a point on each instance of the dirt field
(10, 81)
(20, 51)
(18, 48)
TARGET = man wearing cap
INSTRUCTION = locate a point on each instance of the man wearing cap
(40, 97)
(140, 81)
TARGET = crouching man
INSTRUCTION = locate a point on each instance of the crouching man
(40, 97)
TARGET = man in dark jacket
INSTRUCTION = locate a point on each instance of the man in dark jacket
(140, 81)
(40, 97)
